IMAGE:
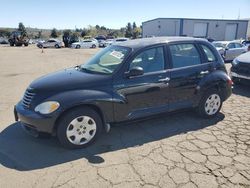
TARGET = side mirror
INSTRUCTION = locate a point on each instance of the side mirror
(135, 71)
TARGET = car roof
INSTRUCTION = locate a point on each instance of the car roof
(144, 42)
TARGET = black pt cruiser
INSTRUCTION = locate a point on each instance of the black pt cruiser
(123, 82)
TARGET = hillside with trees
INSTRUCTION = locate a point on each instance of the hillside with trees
(129, 31)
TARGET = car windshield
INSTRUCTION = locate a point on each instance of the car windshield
(106, 61)
(219, 45)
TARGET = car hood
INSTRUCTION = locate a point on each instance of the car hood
(69, 79)
(244, 58)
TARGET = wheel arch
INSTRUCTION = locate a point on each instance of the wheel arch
(217, 80)
(78, 106)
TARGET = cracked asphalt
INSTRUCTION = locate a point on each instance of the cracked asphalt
(174, 150)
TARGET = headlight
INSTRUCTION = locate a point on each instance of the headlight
(235, 62)
(47, 107)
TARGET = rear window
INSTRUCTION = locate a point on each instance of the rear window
(209, 53)
(184, 55)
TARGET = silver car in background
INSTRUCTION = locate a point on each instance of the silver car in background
(229, 49)
(88, 43)
(51, 43)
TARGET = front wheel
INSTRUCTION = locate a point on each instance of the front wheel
(210, 104)
(93, 46)
(79, 128)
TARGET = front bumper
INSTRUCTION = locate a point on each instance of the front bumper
(34, 121)
(240, 76)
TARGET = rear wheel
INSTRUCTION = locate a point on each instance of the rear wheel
(57, 46)
(79, 128)
(210, 104)
(93, 46)
(78, 46)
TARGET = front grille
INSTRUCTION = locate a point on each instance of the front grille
(243, 68)
(28, 97)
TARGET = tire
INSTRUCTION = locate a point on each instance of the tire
(11, 44)
(39, 46)
(74, 133)
(26, 44)
(93, 46)
(57, 46)
(210, 104)
(78, 46)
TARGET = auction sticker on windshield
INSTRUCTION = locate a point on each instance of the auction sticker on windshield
(117, 54)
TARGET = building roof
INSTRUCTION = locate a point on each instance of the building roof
(201, 19)
(144, 42)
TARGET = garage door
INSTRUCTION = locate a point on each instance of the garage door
(200, 30)
(230, 33)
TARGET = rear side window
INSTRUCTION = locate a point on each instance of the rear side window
(231, 45)
(237, 45)
(209, 53)
(184, 55)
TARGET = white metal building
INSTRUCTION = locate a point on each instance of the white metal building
(212, 28)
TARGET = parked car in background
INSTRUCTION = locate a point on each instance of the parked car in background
(101, 43)
(3, 40)
(128, 81)
(108, 42)
(240, 70)
(100, 37)
(113, 41)
(18, 39)
(89, 43)
(121, 40)
(229, 49)
(246, 43)
(51, 43)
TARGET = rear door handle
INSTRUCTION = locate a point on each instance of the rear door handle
(167, 79)
(204, 72)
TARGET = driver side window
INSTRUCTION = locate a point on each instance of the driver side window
(150, 60)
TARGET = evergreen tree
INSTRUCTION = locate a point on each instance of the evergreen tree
(22, 29)
(54, 33)
(129, 32)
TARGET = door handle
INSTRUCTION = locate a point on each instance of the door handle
(167, 79)
(204, 72)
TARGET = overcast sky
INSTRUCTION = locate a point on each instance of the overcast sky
(113, 13)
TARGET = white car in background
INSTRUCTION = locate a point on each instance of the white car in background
(51, 43)
(229, 49)
(88, 43)
(112, 41)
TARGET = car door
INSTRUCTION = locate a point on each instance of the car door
(188, 67)
(146, 94)
(231, 51)
(240, 49)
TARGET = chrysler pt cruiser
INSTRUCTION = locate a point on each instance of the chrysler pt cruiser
(123, 82)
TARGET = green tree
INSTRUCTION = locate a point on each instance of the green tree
(22, 29)
(97, 27)
(66, 32)
(134, 26)
(128, 32)
(84, 32)
(136, 32)
(54, 33)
